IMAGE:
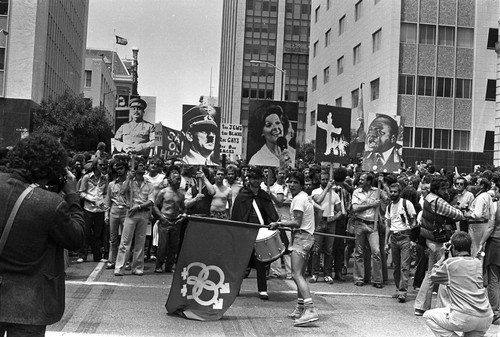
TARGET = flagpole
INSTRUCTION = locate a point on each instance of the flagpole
(113, 56)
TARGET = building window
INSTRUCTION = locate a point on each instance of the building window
(4, 7)
(328, 4)
(492, 38)
(2, 58)
(489, 141)
(316, 14)
(375, 88)
(463, 88)
(408, 137)
(315, 48)
(406, 84)
(342, 25)
(88, 78)
(426, 86)
(423, 137)
(326, 75)
(408, 33)
(442, 139)
(313, 118)
(314, 83)
(465, 37)
(328, 37)
(491, 90)
(340, 65)
(358, 10)
(355, 98)
(444, 87)
(356, 54)
(446, 36)
(427, 34)
(377, 40)
(461, 140)
(338, 102)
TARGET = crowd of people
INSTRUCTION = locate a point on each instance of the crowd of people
(135, 209)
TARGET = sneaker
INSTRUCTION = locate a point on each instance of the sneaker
(419, 312)
(309, 315)
(80, 260)
(402, 298)
(263, 295)
(152, 258)
(297, 312)
(158, 270)
(313, 279)
(110, 265)
(329, 279)
(378, 285)
(138, 273)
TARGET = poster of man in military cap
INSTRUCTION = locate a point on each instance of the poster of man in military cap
(201, 135)
(137, 136)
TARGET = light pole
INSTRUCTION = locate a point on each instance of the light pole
(283, 76)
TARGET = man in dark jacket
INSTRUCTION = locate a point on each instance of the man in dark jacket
(32, 262)
(244, 210)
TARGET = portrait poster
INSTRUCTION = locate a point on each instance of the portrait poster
(272, 133)
(333, 128)
(231, 138)
(200, 135)
(383, 143)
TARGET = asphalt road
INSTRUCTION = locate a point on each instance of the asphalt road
(101, 304)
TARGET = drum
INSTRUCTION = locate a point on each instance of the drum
(268, 245)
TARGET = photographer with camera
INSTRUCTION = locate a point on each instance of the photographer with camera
(468, 309)
(32, 260)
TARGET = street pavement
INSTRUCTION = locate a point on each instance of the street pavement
(101, 304)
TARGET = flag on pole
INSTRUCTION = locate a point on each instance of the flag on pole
(210, 268)
(121, 40)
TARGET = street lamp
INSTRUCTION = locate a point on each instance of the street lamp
(283, 75)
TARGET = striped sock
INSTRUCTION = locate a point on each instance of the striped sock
(308, 303)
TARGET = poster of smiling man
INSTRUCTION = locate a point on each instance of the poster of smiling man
(201, 135)
(383, 144)
(272, 128)
(333, 128)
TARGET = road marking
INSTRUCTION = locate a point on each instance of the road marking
(95, 273)
(76, 334)
(116, 284)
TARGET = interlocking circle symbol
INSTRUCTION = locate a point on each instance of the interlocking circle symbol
(201, 282)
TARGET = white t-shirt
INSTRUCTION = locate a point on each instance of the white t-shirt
(399, 218)
(302, 202)
(327, 207)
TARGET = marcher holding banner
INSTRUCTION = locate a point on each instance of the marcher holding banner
(302, 222)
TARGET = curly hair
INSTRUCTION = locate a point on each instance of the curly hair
(39, 156)
(258, 120)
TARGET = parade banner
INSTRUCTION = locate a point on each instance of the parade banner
(210, 267)
(167, 141)
(272, 132)
(383, 143)
(201, 135)
(231, 138)
(333, 128)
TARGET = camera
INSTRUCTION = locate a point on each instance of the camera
(447, 247)
(56, 184)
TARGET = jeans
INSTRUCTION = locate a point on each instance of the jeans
(424, 296)
(116, 220)
(22, 330)
(94, 226)
(444, 323)
(494, 288)
(363, 232)
(134, 227)
(401, 252)
(325, 244)
(168, 242)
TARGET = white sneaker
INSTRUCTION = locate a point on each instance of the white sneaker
(309, 315)
(80, 260)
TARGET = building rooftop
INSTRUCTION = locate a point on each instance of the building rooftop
(118, 68)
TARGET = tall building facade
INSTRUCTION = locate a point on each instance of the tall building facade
(42, 55)
(264, 55)
(432, 62)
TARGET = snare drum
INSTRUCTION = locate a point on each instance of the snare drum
(268, 245)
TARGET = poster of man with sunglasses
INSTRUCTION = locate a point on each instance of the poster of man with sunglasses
(383, 144)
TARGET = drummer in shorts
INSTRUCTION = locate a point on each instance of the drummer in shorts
(302, 224)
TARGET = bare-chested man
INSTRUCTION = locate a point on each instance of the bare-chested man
(232, 180)
(169, 207)
(222, 200)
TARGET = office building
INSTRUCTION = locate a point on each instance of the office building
(432, 62)
(42, 53)
(276, 34)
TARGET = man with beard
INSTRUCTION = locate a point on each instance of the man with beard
(136, 136)
(382, 152)
(169, 208)
(200, 131)
(435, 209)
(399, 218)
(232, 180)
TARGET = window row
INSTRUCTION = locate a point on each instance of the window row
(440, 35)
(358, 10)
(442, 139)
(444, 88)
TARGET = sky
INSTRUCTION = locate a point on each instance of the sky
(179, 44)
